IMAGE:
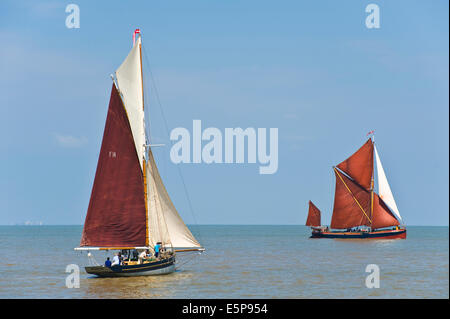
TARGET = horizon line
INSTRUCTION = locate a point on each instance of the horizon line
(211, 225)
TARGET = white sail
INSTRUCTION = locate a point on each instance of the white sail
(384, 190)
(129, 81)
(164, 223)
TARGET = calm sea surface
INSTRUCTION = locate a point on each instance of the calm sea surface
(240, 262)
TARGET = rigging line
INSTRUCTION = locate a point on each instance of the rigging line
(168, 134)
(150, 154)
(187, 261)
(146, 110)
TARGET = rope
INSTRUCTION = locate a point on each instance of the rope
(187, 261)
(92, 260)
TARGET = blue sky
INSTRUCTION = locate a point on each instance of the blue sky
(309, 68)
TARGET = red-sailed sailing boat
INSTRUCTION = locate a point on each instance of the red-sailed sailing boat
(130, 209)
(360, 212)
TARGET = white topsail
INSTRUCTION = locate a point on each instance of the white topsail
(164, 223)
(129, 80)
(383, 188)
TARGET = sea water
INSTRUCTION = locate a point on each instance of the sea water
(239, 262)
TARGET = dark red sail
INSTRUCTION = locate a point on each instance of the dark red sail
(359, 166)
(313, 215)
(116, 214)
(382, 217)
(351, 204)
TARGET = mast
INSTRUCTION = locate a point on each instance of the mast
(144, 170)
(372, 181)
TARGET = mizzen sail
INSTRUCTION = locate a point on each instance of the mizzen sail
(313, 215)
(116, 212)
(383, 188)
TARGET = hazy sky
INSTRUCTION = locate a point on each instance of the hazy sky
(312, 69)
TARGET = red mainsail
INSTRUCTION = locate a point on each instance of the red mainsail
(313, 215)
(382, 217)
(116, 214)
(351, 204)
(359, 166)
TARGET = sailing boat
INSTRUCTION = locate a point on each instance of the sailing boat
(130, 209)
(360, 212)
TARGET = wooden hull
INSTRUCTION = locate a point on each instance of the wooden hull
(382, 234)
(160, 267)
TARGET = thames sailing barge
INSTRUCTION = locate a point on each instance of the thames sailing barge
(130, 209)
(360, 212)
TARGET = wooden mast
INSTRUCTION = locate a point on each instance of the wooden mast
(144, 170)
(372, 184)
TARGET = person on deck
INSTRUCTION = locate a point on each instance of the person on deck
(116, 260)
(107, 262)
(142, 255)
(157, 248)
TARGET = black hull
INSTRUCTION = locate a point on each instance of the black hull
(385, 234)
(160, 267)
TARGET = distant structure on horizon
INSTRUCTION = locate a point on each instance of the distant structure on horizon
(29, 223)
